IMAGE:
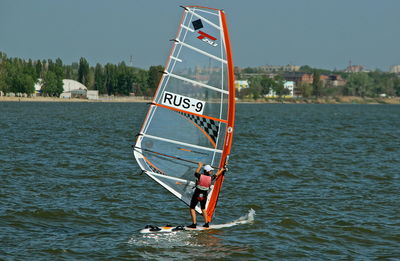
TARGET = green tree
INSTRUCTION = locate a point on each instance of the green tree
(305, 89)
(359, 84)
(316, 84)
(267, 84)
(110, 78)
(396, 86)
(3, 61)
(255, 87)
(38, 69)
(279, 87)
(58, 68)
(83, 71)
(99, 78)
(155, 73)
(90, 79)
(52, 85)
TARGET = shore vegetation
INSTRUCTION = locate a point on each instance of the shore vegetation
(19, 76)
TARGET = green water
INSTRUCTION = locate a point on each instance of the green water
(323, 179)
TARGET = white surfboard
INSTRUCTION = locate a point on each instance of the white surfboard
(248, 218)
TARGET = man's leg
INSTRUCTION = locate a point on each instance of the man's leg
(204, 215)
(193, 214)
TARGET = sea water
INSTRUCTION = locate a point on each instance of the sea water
(324, 182)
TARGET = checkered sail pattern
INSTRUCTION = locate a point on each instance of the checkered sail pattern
(208, 125)
(155, 170)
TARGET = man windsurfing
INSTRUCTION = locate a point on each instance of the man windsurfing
(203, 184)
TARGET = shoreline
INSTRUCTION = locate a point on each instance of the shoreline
(325, 100)
(54, 99)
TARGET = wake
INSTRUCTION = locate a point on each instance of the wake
(246, 219)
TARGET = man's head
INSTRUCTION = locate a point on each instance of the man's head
(208, 168)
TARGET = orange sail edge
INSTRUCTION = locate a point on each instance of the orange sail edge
(214, 198)
(231, 122)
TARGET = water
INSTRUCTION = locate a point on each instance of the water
(323, 179)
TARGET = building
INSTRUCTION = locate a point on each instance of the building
(73, 89)
(92, 94)
(299, 77)
(354, 69)
(287, 85)
(290, 86)
(335, 80)
(241, 84)
(395, 69)
(278, 68)
(38, 87)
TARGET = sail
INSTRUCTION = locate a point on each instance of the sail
(191, 117)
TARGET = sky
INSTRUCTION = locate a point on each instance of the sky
(320, 33)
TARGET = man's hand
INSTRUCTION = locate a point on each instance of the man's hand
(199, 166)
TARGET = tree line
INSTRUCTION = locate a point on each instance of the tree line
(362, 84)
(19, 76)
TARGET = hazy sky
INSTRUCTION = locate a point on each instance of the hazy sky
(320, 33)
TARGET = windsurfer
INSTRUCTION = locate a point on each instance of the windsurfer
(200, 194)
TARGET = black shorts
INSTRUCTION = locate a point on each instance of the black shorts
(199, 196)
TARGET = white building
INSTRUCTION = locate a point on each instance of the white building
(73, 88)
(287, 85)
(240, 84)
(395, 69)
(92, 95)
(38, 86)
(290, 86)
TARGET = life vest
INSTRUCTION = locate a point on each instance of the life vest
(204, 182)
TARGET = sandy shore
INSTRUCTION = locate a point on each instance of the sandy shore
(54, 99)
(330, 100)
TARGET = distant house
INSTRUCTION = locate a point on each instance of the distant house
(299, 77)
(336, 80)
(278, 68)
(73, 89)
(290, 86)
(38, 87)
(395, 69)
(241, 84)
(92, 94)
(354, 69)
(287, 85)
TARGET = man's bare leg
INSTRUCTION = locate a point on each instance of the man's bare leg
(204, 215)
(193, 214)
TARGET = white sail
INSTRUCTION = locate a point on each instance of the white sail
(192, 114)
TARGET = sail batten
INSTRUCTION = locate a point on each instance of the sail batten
(206, 20)
(182, 143)
(202, 52)
(191, 118)
(187, 28)
(176, 59)
(196, 83)
(171, 178)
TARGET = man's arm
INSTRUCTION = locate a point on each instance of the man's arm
(199, 166)
(219, 172)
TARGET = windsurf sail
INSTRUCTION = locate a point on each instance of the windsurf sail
(191, 117)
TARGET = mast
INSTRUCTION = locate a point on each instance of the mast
(231, 120)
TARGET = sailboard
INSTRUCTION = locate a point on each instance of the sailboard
(191, 118)
(249, 218)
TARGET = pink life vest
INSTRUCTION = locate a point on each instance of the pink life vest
(204, 182)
